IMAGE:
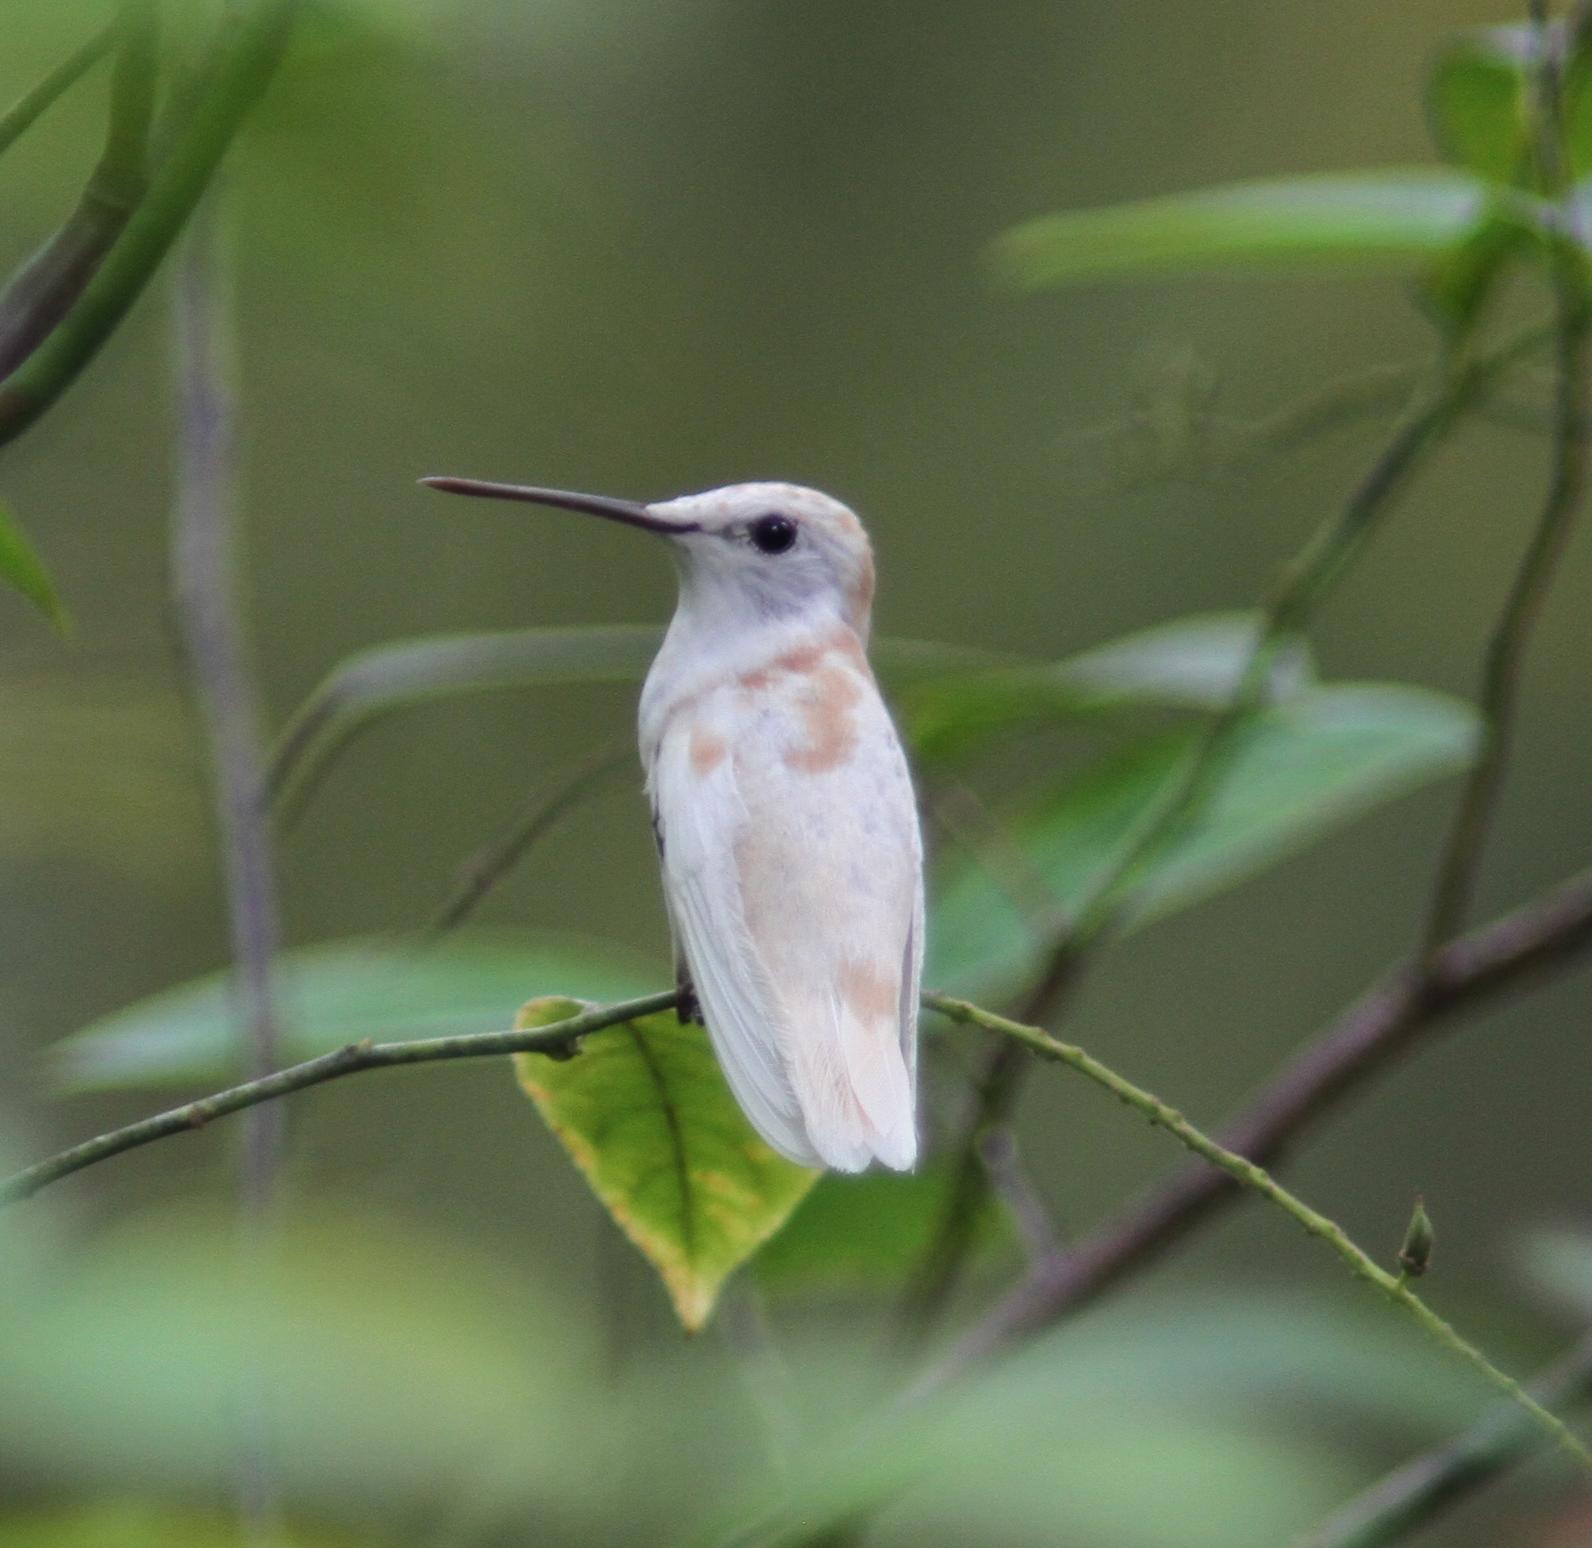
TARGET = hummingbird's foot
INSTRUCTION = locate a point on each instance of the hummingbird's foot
(686, 1008)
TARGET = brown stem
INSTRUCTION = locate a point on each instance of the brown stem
(1395, 1015)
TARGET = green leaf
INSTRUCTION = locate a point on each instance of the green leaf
(1458, 283)
(372, 682)
(867, 1231)
(1479, 103)
(645, 1113)
(338, 993)
(1190, 663)
(123, 1355)
(22, 567)
(1176, 1429)
(147, 1525)
(1341, 216)
(407, 672)
(1300, 769)
(1481, 100)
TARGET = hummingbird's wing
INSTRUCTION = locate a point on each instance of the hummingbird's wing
(793, 868)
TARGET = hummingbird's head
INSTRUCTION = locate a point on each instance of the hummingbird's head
(747, 552)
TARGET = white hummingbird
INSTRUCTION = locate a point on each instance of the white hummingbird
(784, 815)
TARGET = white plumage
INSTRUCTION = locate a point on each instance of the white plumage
(795, 894)
(787, 829)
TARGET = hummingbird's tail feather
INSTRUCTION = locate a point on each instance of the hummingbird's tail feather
(853, 1085)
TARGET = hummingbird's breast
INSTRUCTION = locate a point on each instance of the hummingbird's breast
(794, 690)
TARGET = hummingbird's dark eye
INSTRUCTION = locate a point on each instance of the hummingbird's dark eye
(772, 534)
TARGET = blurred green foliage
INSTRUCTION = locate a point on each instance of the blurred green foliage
(628, 250)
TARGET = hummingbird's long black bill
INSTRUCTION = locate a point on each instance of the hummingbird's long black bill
(627, 511)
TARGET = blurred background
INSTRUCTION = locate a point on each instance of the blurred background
(644, 250)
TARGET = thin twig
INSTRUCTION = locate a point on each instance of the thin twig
(207, 609)
(1011, 1184)
(47, 287)
(1406, 1007)
(492, 863)
(991, 1107)
(994, 1093)
(1460, 863)
(207, 606)
(31, 105)
(1416, 1494)
(1297, 594)
(1247, 1174)
(1171, 434)
(1108, 895)
(250, 43)
(560, 1038)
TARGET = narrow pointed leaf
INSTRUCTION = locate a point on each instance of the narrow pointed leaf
(408, 672)
(1386, 213)
(21, 566)
(1481, 99)
(145, 1525)
(338, 993)
(1189, 663)
(645, 1113)
(1302, 769)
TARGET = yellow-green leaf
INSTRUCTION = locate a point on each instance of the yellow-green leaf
(645, 1113)
(21, 566)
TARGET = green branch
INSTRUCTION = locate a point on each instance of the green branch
(554, 1040)
(49, 284)
(1297, 593)
(1460, 863)
(28, 108)
(251, 43)
(562, 1039)
(1260, 1181)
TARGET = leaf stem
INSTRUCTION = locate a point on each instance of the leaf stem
(47, 286)
(558, 1039)
(1298, 592)
(1460, 863)
(33, 104)
(1258, 1180)
(250, 43)
(1109, 894)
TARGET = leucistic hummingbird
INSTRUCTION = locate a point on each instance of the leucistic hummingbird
(784, 815)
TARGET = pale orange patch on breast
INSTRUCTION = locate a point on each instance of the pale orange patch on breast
(707, 751)
(802, 660)
(869, 992)
(847, 643)
(861, 594)
(831, 729)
